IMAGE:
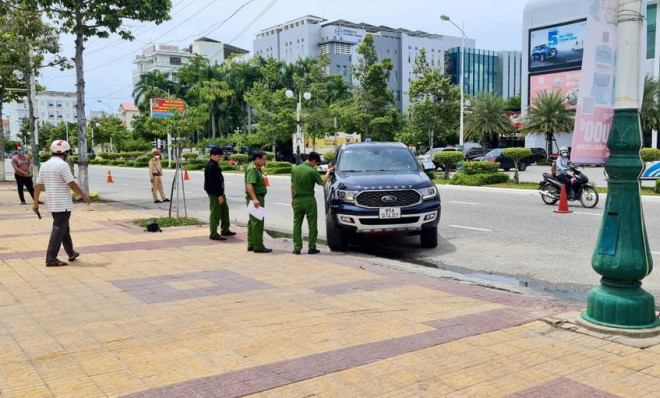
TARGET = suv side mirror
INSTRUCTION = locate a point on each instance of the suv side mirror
(428, 165)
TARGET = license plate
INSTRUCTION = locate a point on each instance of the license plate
(389, 212)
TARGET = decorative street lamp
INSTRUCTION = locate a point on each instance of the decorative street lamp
(622, 255)
(307, 96)
(463, 37)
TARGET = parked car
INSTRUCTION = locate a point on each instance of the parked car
(543, 52)
(472, 153)
(497, 155)
(538, 154)
(380, 189)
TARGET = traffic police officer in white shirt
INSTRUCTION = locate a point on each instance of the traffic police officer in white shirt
(56, 176)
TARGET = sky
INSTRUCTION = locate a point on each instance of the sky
(494, 24)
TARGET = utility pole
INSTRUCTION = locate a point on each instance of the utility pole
(622, 255)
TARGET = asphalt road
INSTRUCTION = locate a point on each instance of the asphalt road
(505, 235)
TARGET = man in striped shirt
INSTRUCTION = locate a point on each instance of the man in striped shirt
(56, 176)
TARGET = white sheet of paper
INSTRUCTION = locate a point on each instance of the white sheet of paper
(258, 213)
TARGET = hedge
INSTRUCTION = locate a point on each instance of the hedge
(120, 155)
(143, 158)
(481, 167)
(117, 162)
(276, 170)
(195, 166)
(190, 155)
(657, 186)
(240, 158)
(278, 165)
(650, 154)
(139, 163)
(44, 156)
(479, 179)
(98, 161)
(269, 155)
(130, 163)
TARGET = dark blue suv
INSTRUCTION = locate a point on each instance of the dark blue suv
(380, 189)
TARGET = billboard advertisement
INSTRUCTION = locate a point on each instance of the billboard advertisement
(557, 47)
(568, 83)
(165, 107)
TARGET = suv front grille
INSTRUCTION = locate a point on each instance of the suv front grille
(402, 198)
(389, 221)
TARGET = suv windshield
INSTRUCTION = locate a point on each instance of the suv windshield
(376, 159)
(494, 152)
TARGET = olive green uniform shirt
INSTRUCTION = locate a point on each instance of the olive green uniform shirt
(304, 178)
(254, 177)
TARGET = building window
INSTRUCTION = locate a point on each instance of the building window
(175, 61)
(341, 48)
(345, 71)
(651, 17)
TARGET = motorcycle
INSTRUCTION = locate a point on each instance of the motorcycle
(550, 189)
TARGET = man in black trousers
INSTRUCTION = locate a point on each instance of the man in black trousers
(214, 185)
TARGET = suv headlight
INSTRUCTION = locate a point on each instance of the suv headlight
(346, 196)
(428, 193)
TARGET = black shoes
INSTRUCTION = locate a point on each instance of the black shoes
(228, 233)
(23, 203)
(250, 249)
(219, 237)
(166, 200)
(157, 201)
(56, 263)
(264, 250)
(313, 251)
(74, 257)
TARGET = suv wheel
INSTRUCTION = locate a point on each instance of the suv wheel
(429, 237)
(522, 166)
(337, 240)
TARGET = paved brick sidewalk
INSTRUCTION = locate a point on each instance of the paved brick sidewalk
(178, 315)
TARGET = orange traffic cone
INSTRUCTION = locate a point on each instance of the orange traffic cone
(266, 180)
(110, 180)
(185, 175)
(563, 202)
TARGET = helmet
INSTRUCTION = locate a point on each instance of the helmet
(563, 151)
(60, 146)
(156, 152)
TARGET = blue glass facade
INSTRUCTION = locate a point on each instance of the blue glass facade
(480, 70)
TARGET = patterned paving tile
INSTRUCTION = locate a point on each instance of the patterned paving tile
(564, 388)
(169, 288)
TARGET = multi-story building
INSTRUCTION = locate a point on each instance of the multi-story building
(50, 107)
(168, 58)
(127, 111)
(311, 36)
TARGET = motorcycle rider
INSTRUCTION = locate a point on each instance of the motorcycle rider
(563, 165)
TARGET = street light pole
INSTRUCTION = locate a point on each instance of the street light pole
(622, 255)
(307, 96)
(462, 62)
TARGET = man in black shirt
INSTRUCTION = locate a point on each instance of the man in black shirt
(214, 185)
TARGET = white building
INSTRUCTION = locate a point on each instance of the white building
(51, 107)
(127, 112)
(311, 36)
(168, 58)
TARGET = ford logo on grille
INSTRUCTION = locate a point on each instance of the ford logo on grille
(388, 199)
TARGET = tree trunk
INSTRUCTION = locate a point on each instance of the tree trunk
(83, 170)
(516, 178)
(548, 141)
(32, 120)
(2, 146)
(274, 145)
(213, 123)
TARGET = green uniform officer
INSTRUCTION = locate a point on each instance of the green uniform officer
(214, 185)
(255, 191)
(304, 178)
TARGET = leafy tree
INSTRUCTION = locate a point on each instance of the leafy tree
(210, 92)
(517, 154)
(486, 121)
(447, 160)
(650, 110)
(373, 100)
(100, 18)
(435, 104)
(108, 128)
(153, 85)
(548, 115)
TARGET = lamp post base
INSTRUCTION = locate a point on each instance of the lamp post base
(621, 304)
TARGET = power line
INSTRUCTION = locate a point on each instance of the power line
(261, 14)
(215, 26)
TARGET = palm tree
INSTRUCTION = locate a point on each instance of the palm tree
(210, 92)
(650, 111)
(548, 115)
(486, 121)
(150, 84)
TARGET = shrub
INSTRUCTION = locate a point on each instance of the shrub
(195, 166)
(130, 163)
(479, 179)
(44, 156)
(277, 165)
(141, 163)
(190, 155)
(117, 162)
(448, 159)
(229, 168)
(329, 156)
(143, 158)
(240, 158)
(198, 161)
(276, 170)
(650, 154)
(657, 186)
(517, 154)
(269, 155)
(481, 167)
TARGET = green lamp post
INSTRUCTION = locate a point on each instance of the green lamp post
(622, 255)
